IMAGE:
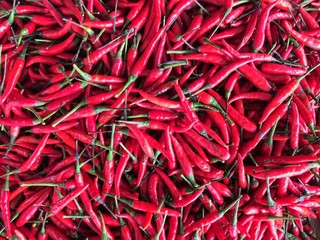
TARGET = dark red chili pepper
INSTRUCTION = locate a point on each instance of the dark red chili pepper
(54, 233)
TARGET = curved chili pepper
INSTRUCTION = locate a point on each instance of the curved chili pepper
(311, 42)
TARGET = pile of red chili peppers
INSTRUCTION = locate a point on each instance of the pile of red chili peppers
(137, 119)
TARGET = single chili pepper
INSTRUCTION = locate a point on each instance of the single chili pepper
(230, 84)
(189, 198)
(54, 34)
(152, 188)
(101, 79)
(109, 24)
(204, 57)
(59, 205)
(51, 129)
(283, 93)
(20, 122)
(27, 30)
(74, 9)
(31, 162)
(260, 96)
(286, 171)
(274, 68)
(124, 158)
(294, 138)
(308, 18)
(5, 25)
(65, 92)
(29, 213)
(222, 74)
(149, 207)
(252, 23)
(58, 48)
(255, 77)
(259, 36)
(14, 75)
(5, 206)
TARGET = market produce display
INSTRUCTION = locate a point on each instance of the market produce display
(140, 119)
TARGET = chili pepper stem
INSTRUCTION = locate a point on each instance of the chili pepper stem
(131, 80)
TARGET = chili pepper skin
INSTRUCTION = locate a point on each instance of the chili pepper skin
(189, 198)
(58, 206)
(286, 91)
(14, 76)
(5, 25)
(209, 219)
(55, 233)
(56, 49)
(31, 162)
(261, 25)
(29, 213)
(5, 207)
(305, 39)
(286, 171)
(274, 68)
(215, 99)
(148, 207)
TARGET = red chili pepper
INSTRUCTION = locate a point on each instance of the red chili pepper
(149, 207)
(311, 42)
(5, 207)
(283, 93)
(209, 219)
(261, 26)
(59, 205)
(58, 48)
(54, 233)
(121, 166)
(6, 24)
(14, 75)
(305, 114)
(30, 212)
(53, 12)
